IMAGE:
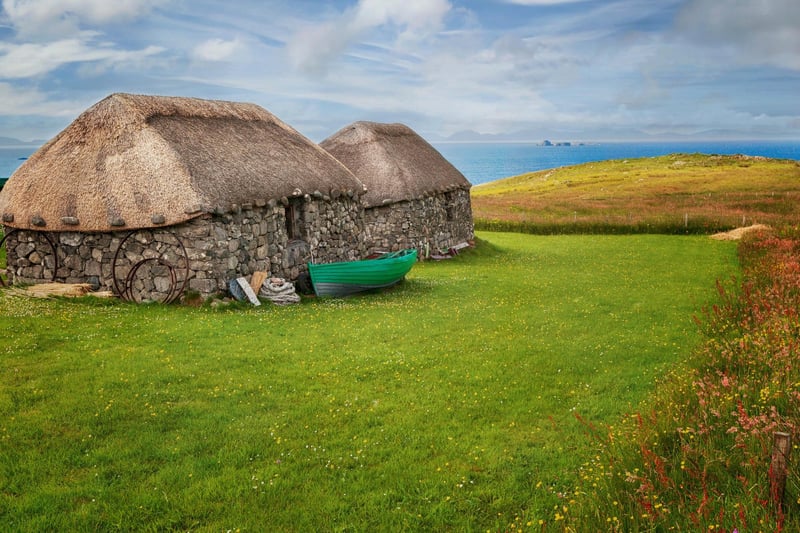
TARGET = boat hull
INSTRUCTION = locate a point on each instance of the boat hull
(351, 277)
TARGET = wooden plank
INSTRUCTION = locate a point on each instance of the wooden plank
(257, 280)
(44, 290)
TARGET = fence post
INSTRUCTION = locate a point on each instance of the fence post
(781, 448)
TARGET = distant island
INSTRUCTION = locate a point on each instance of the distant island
(560, 143)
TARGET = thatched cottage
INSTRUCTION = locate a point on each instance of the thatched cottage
(150, 195)
(415, 198)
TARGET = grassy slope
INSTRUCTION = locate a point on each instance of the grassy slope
(446, 403)
(675, 193)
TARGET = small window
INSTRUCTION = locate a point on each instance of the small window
(294, 219)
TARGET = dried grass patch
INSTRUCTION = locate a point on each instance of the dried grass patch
(738, 233)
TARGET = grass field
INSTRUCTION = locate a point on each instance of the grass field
(700, 454)
(446, 403)
(674, 194)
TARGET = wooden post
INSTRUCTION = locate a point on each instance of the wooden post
(781, 448)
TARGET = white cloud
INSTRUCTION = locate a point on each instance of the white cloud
(34, 59)
(415, 14)
(17, 101)
(314, 47)
(541, 2)
(217, 49)
(763, 32)
(438, 65)
(45, 18)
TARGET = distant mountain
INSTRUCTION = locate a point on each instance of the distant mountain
(527, 136)
(474, 136)
(11, 141)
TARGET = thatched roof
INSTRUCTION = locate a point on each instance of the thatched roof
(134, 161)
(393, 162)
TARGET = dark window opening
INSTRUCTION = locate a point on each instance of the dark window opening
(294, 219)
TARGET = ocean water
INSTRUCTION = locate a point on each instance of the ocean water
(482, 162)
(12, 158)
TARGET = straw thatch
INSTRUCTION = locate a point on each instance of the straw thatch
(393, 162)
(134, 161)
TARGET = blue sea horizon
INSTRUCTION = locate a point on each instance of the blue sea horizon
(481, 162)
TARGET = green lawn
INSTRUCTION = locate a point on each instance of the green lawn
(448, 402)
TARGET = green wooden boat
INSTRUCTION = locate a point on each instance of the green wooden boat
(343, 279)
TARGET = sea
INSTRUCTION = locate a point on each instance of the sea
(484, 162)
(12, 157)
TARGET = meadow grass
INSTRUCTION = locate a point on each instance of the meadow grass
(448, 402)
(674, 194)
(697, 456)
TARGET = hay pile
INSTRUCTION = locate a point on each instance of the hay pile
(738, 233)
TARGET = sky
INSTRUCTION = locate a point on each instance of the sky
(534, 69)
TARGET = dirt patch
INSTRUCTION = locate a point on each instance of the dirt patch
(738, 233)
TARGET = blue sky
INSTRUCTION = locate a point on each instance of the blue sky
(560, 69)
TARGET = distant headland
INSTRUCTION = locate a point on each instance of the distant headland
(11, 142)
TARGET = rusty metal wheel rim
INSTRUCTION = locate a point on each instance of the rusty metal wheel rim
(130, 278)
(126, 291)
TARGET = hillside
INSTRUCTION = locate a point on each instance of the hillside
(678, 193)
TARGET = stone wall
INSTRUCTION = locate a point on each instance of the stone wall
(430, 224)
(202, 254)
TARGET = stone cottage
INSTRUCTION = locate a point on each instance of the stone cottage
(149, 196)
(415, 198)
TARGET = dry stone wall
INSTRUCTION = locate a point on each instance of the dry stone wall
(429, 224)
(201, 255)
